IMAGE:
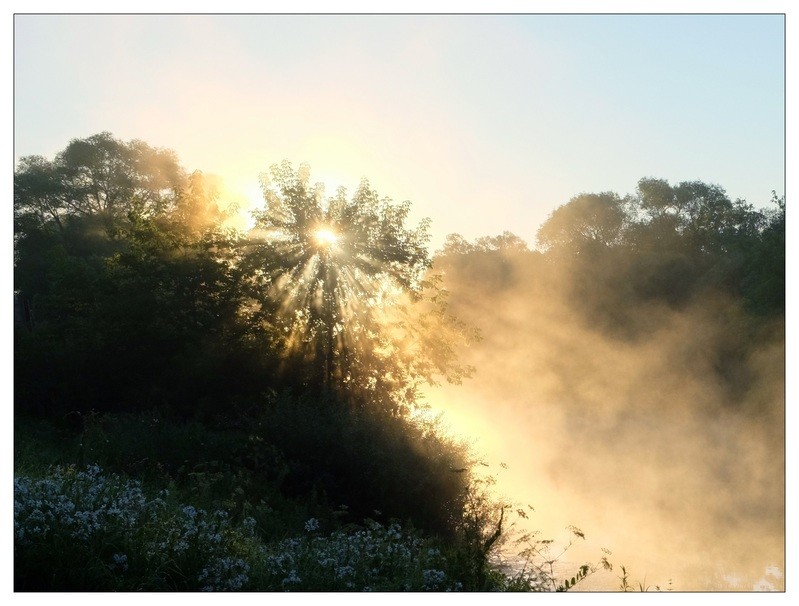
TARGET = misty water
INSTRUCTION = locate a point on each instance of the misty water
(652, 442)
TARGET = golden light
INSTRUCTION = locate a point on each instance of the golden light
(325, 238)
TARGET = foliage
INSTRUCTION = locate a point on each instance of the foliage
(626, 585)
(131, 289)
(585, 223)
(490, 261)
(349, 281)
(372, 558)
(275, 464)
(540, 556)
(763, 283)
(700, 213)
(99, 176)
(127, 540)
(368, 461)
(668, 244)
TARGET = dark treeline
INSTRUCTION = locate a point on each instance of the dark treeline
(627, 265)
(130, 292)
(667, 244)
(310, 338)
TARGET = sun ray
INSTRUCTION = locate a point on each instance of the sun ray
(326, 238)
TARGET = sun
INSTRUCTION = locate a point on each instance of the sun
(325, 237)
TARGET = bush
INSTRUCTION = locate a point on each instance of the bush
(379, 465)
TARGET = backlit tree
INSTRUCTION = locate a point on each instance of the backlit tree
(350, 279)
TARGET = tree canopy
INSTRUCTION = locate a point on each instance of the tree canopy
(667, 242)
(98, 175)
(124, 271)
(586, 221)
(123, 259)
(350, 281)
(128, 278)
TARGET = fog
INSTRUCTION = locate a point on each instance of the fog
(660, 435)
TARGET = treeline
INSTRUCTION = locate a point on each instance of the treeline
(638, 356)
(667, 244)
(628, 267)
(131, 292)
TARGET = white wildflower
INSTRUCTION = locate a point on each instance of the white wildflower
(312, 525)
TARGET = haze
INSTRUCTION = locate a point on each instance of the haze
(661, 438)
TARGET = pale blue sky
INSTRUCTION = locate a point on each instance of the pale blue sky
(486, 123)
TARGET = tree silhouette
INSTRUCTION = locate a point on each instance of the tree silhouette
(694, 215)
(100, 177)
(128, 283)
(588, 222)
(349, 278)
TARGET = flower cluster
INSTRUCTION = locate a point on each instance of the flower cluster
(130, 542)
(312, 525)
(371, 558)
(90, 510)
(191, 529)
(80, 504)
(227, 574)
(195, 534)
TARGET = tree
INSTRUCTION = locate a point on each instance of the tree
(668, 243)
(134, 289)
(695, 215)
(39, 193)
(493, 261)
(350, 282)
(763, 283)
(97, 176)
(585, 223)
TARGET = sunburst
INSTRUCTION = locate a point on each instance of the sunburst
(337, 268)
(326, 238)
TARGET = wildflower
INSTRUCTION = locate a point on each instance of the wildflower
(248, 524)
(433, 579)
(225, 574)
(312, 525)
(292, 579)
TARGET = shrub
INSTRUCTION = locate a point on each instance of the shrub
(369, 461)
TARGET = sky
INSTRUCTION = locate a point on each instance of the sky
(486, 123)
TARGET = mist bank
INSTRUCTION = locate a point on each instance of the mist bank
(634, 394)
